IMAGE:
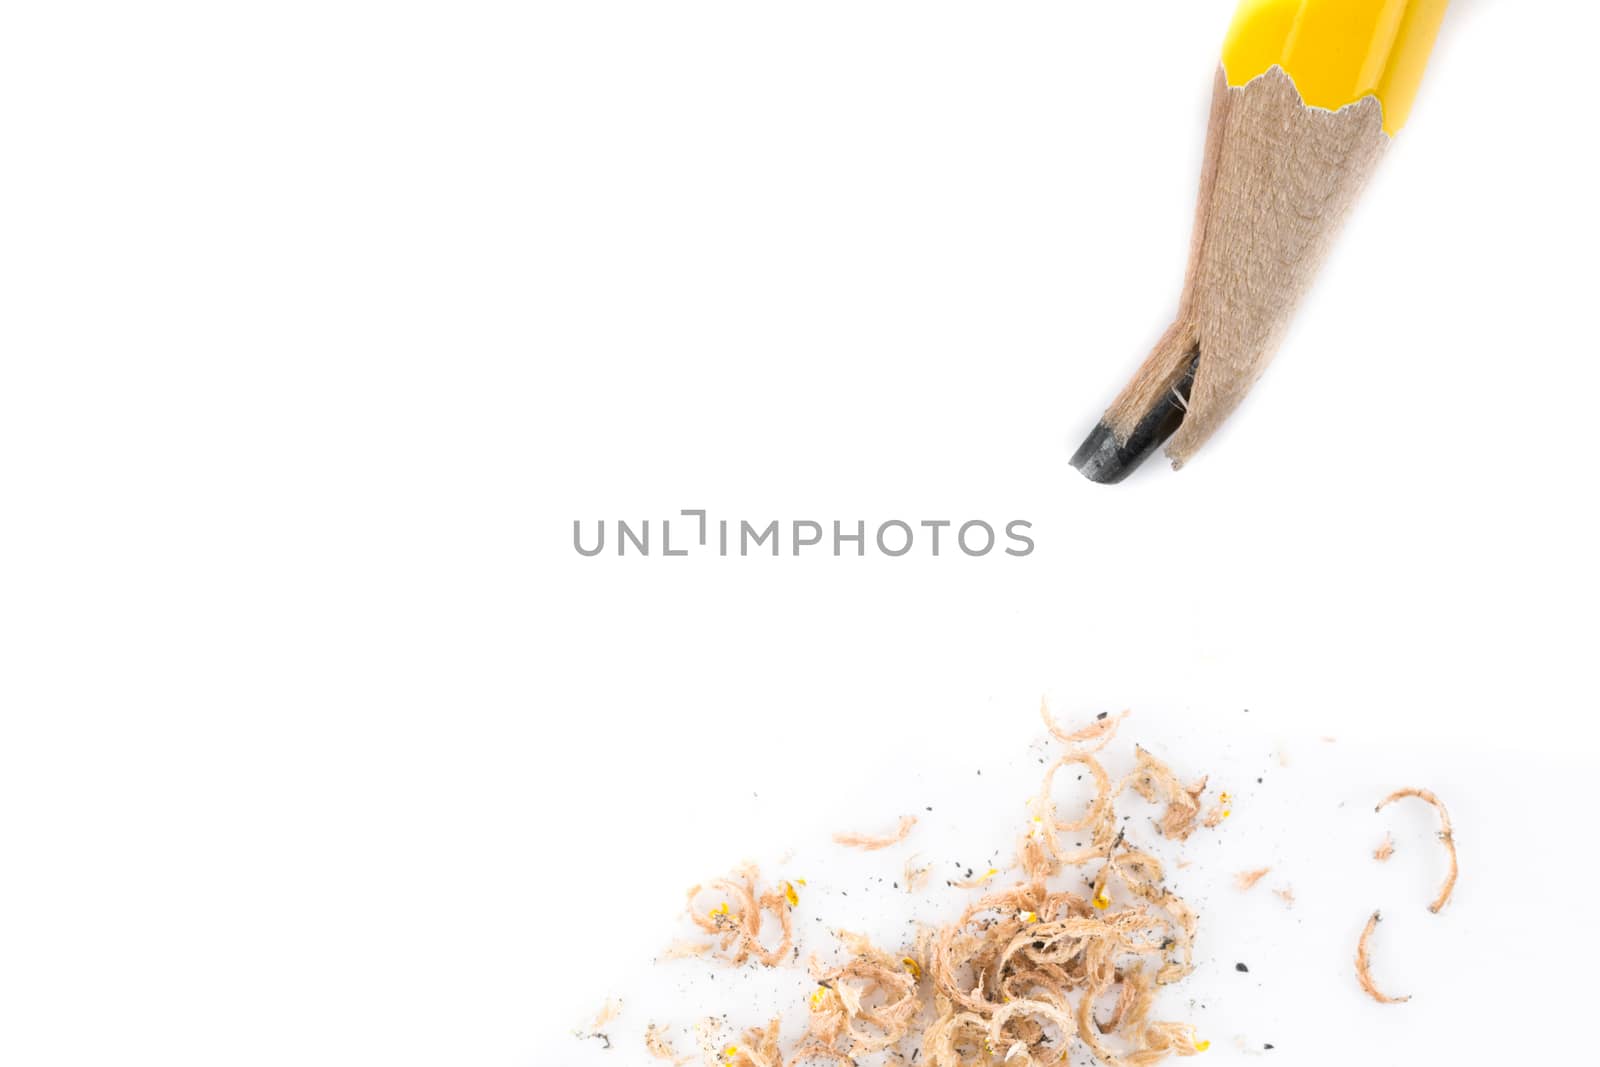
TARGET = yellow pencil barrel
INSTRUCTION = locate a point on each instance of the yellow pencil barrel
(1338, 51)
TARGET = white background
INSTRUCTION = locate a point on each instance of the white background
(321, 322)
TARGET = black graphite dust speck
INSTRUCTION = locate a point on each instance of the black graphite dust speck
(1241, 968)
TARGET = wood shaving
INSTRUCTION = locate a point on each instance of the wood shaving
(873, 842)
(821, 1053)
(1364, 965)
(679, 950)
(1446, 835)
(608, 1011)
(736, 920)
(1286, 895)
(1385, 850)
(759, 1048)
(1025, 969)
(914, 875)
(1088, 739)
(708, 1034)
(1155, 781)
(1245, 881)
(868, 1004)
(1041, 850)
(1018, 975)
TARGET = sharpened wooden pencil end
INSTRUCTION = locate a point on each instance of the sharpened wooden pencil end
(1279, 177)
(1106, 459)
(1101, 458)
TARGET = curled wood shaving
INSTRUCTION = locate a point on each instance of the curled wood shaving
(707, 1034)
(1041, 852)
(1155, 781)
(955, 1039)
(1017, 1021)
(1385, 850)
(736, 920)
(914, 875)
(1132, 1002)
(1087, 739)
(759, 1048)
(1364, 965)
(868, 1004)
(1446, 835)
(872, 842)
(1022, 972)
(1245, 881)
(1160, 1039)
(1018, 975)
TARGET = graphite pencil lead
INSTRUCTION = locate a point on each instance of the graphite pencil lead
(1105, 458)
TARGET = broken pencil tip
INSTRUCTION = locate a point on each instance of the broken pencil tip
(1103, 458)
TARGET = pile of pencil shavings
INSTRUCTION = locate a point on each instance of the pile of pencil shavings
(1020, 975)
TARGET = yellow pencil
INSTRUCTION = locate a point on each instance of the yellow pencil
(1308, 95)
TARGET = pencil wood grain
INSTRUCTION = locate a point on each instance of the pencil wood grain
(1278, 181)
